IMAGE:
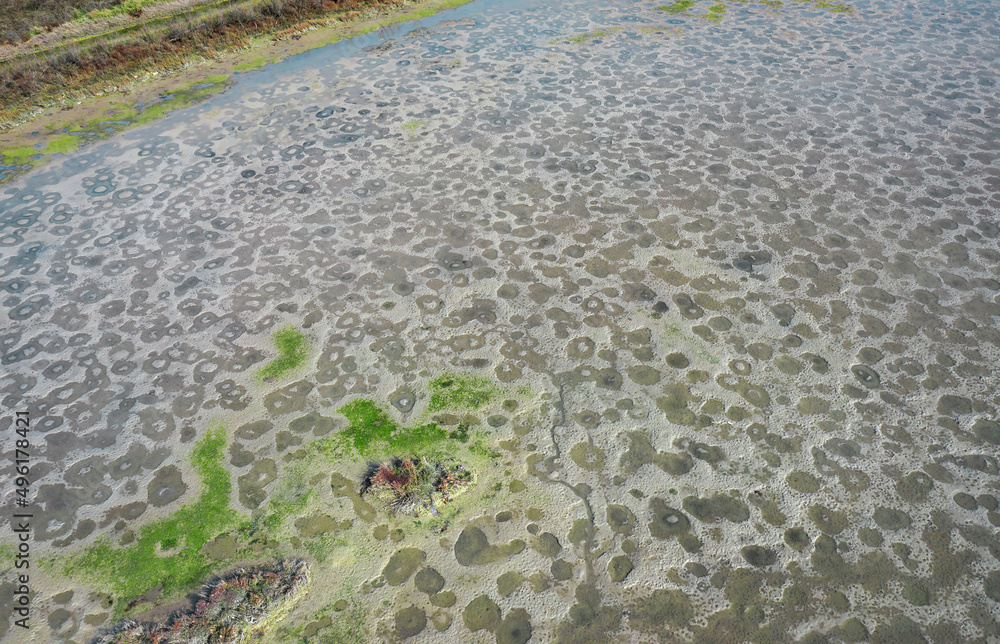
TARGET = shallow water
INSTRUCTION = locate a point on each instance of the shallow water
(735, 283)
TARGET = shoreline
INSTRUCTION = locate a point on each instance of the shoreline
(77, 121)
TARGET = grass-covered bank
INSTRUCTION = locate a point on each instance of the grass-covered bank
(159, 44)
(57, 99)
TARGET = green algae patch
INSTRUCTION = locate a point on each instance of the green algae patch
(412, 127)
(461, 391)
(661, 610)
(715, 13)
(16, 156)
(474, 549)
(62, 144)
(184, 97)
(619, 568)
(127, 116)
(251, 65)
(482, 613)
(132, 570)
(834, 7)
(371, 429)
(292, 349)
(680, 6)
(717, 10)
(590, 35)
(72, 135)
(368, 424)
(22, 158)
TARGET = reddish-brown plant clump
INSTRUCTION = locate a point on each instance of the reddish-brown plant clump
(237, 608)
(409, 485)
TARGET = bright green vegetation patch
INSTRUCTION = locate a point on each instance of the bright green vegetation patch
(371, 429)
(183, 97)
(251, 65)
(678, 7)
(130, 571)
(461, 391)
(412, 127)
(587, 36)
(128, 116)
(292, 348)
(834, 7)
(15, 156)
(62, 144)
(715, 13)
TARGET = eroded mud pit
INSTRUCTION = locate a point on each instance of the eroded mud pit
(704, 300)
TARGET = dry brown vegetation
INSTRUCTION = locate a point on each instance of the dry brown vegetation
(20, 18)
(100, 63)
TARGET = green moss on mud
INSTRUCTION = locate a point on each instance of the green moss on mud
(461, 391)
(292, 349)
(372, 430)
(717, 10)
(253, 64)
(20, 156)
(680, 6)
(62, 144)
(412, 127)
(339, 622)
(74, 135)
(184, 97)
(132, 570)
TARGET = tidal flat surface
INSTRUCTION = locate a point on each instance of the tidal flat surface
(705, 299)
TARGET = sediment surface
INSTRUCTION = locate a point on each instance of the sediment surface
(705, 299)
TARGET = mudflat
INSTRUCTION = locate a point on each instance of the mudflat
(590, 321)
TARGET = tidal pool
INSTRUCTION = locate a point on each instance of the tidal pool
(703, 298)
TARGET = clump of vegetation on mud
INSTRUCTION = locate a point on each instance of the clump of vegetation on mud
(240, 607)
(292, 347)
(411, 485)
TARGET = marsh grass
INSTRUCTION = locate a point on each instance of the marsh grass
(161, 45)
(240, 607)
(19, 19)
